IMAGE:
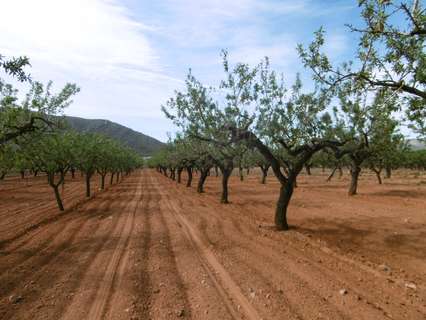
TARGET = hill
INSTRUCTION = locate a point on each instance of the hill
(141, 143)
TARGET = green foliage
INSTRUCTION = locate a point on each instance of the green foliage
(52, 153)
(35, 114)
(390, 54)
(15, 67)
(415, 159)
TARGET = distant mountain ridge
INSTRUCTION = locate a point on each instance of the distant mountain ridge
(141, 143)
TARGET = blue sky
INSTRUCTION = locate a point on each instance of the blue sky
(128, 56)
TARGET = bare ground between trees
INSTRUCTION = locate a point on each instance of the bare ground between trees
(148, 248)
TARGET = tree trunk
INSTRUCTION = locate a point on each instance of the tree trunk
(103, 181)
(201, 180)
(379, 178)
(226, 172)
(112, 178)
(308, 169)
(355, 171)
(340, 172)
(117, 177)
(58, 198)
(22, 174)
(388, 174)
(216, 171)
(331, 174)
(72, 173)
(2, 175)
(286, 191)
(264, 174)
(88, 176)
(179, 175)
(240, 171)
(51, 180)
(189, 181)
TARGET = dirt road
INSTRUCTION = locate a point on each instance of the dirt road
(148, 248)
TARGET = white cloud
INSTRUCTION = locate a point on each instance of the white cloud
(127, 62)
(88, 36)
(95, 43)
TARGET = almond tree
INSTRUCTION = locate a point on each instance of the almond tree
(87, 155)
(262, 163)
(53, 154)
(390, 54)
(106, 158)
(286, 128)
(35, 114)
(291, 122)
(415, 159)
(387, 153)
(202, 118)
(7, 159)
(368, 125)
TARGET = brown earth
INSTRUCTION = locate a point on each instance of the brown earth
(148, 248)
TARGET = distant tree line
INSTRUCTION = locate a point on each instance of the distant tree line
(33, 138)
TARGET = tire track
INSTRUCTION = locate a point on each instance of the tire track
(234, 299)
(118, 281)
(48, 249)
(112, 272)
(306, 263)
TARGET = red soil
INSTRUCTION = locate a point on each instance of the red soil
(148, 248)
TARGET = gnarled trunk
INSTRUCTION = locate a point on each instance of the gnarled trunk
(331, 174)
(308, 169)
(179, 175)
(201, 180)
(55, 186)
(355, 171)
(103, 181)
(240, 171)
(286, 191)
(226, 173)
(88, 177)
(264, 173)
(189, 181)
(58, 198)
(379, 178)
(377, 172)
